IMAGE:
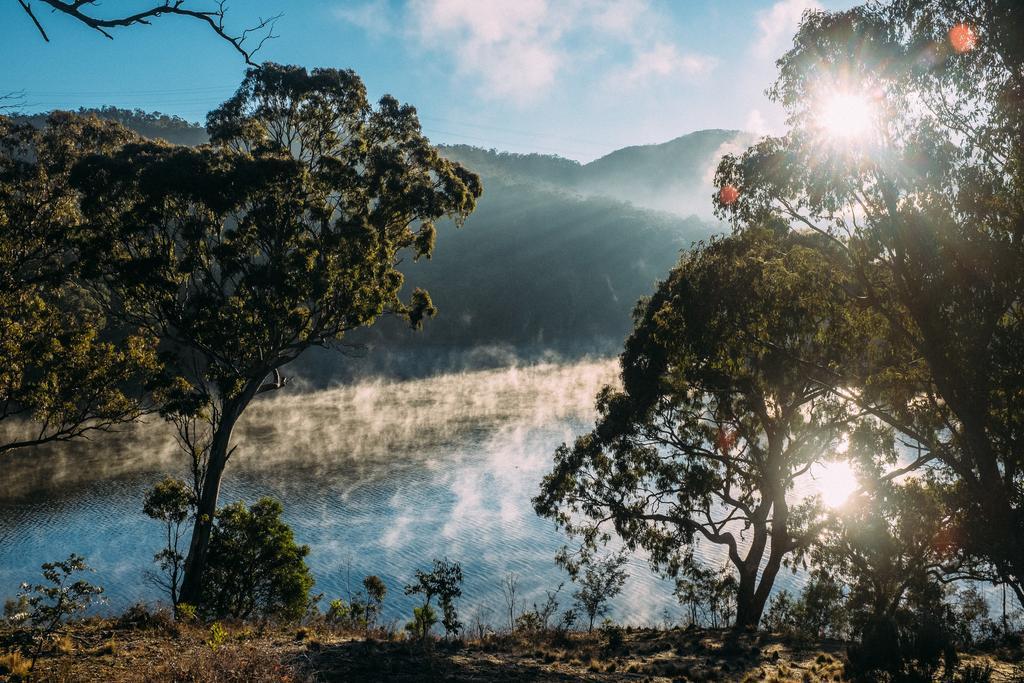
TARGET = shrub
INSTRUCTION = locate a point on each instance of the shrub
(708, 597)
(445, 582)
(602, 580)
(536, 620)
(975, 673)
(218, 635)
(255, 566)
(362, 609)
(48, 605)
(170, 502)
(614, 636)
(819, 611)
(423, 620)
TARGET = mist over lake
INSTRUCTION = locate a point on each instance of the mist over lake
(378, 477)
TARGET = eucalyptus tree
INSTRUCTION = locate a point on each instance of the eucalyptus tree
(285, 233)
(65, 370)
(917, 182)
(714, 424)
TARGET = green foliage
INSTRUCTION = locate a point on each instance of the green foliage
(888, 550)
(256, 568)
(923, 214)
(818, 612)
(170, 502)
(444, 581)
(67, 369)
(61, 597)
(536, 620)
(708, 597)
(614, 636)
(362, 609)
(151, 125)
(218, 636)
(283, 234)
(580, 262)
(423, 620)
(46, 606)
(716, 418)
(185, 612)
(601, 580)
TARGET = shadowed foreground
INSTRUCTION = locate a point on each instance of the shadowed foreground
(151, 648)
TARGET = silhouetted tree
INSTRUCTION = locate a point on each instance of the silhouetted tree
(925, 213)
(283, 235)
(715, 422)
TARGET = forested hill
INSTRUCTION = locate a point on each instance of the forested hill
(153, 125)
(537, 266)
(554, 257)
(674, 176)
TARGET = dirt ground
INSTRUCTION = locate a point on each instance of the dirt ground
(163, 651)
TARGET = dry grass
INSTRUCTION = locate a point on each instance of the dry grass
(13, 665)
(145, 649)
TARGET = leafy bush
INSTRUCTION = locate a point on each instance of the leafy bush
(362, 609)
(972, 623)
(444, 582)
(218, 636)
(536, 620)
(708, 597)
(255, 567)
(614, 636)
(47, 605)
(908, 643)
(602, 580)
(423, 620)
(820, 610)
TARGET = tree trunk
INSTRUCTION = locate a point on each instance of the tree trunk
(206, 509)
(747, 612)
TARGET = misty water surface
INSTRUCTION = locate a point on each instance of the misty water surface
(377, 478)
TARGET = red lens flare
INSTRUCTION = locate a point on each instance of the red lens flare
(963, 38)
(728, 195)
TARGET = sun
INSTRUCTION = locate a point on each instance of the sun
(845, 116)
(835, 482)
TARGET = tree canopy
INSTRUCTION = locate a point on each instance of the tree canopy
(284, 233)
(714, 423)
(67, 368)
(926, 212)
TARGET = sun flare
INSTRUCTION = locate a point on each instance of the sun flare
(845, 116)
(835, 482)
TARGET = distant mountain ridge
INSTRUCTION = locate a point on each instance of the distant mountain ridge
(152, 125)
(674, 176)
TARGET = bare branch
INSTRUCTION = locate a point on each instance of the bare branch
(214, 18)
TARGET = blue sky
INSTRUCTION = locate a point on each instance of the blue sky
(578, 78)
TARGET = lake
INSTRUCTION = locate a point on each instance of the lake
(378, 477)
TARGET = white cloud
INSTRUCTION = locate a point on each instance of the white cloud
(664, 60)
(510, 48)
(518, 50)
(373, 17)
(777, 25)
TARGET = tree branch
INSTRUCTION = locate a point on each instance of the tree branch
(214, 18)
